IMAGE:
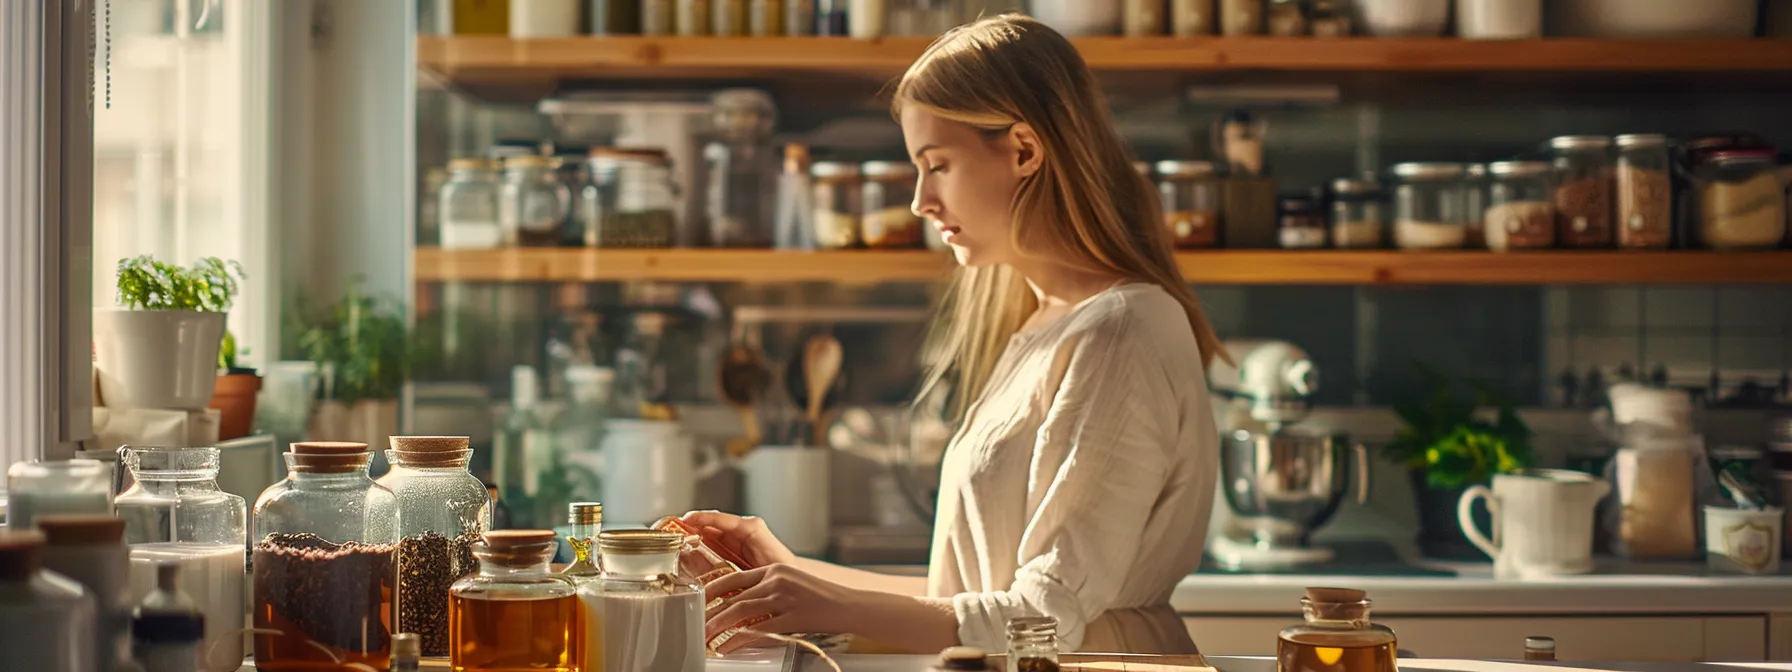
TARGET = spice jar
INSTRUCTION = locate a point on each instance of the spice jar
(323, 566)
(1645, 192)
(442, 511)
(630, 201)
(586, 519)
(1520, 214)
(1357, 216)
(533, 202)
(836, 195)
(73, 487)
(887, 201)
(1191, 202)
(728, 18)
(1474, 203)
(1033, 644)
(1583, 192)
(1336, 619)
(515, 614)
(1741, 201)
(765, 18)
(1329, 18)
(1241, 17)
(616, 17)
(692, 17)
(1143, 18)
(175, 514)
(1189, 18)
(1302, 225)
(46, 620)
(1428, 206)
(641, 613)
(468, 206)
(741, 169)
(1285, 18)
(659, 17)
(799, 17)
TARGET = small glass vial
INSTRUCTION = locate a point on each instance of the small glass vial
(533, 202)
(73, 487)
(887, 203)
(1033, 644)
(1190, 194)
(1428, 206)
(1645, 192)
(586, 519)
(1583, 191)
(1540, 648)
(1302, 227)
(1520, 214)
(836, 196)
(468, 206)
(515, 614)
(407, 652)
(1474, 203)
(1357, 214)
(642, 613)
(1337, 635)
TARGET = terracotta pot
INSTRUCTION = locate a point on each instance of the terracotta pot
(234, 397)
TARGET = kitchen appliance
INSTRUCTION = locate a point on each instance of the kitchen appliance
(1542, 522)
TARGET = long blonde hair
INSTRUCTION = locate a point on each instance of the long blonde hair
(1085, 207)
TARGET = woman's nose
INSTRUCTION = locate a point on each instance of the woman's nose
(926, 204)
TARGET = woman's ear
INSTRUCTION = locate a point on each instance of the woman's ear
(1029, 152)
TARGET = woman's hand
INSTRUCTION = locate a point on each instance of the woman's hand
(778, 599)
(746, 537)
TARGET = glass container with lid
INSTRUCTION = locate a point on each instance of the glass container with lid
(741, 169)
(1357, 215)
(324, 574)
(1474, 203)
(642, 613)
(71, 487)
(1645, 192)
(1583, 191)
(1302, 225)
(442, 511)
(1429, 206)
(586, 519)
(1520, 214)
(46, 620)
(630, 201)
(515, 613)
(1032, 644)
(887, 201)
(468, 206)
(1189, 191)
(1741, 199)
(532, 202)
(836, 204)
(1337, 636)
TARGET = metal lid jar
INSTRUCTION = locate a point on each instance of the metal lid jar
(1357, 216)
(1583, 191)
(467, 206)
(442, 511)
(836, 198)
(1741, 199)
(1429, 206)
(887, 201)
(1190, 194)
(1302, 225)
(532, 202)
(630, 200)
(1520, 214)
(1645, 192)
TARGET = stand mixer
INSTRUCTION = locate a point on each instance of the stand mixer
(1279, 483)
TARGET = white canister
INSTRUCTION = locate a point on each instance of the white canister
(787, 487)
(1542, 522)
(544, 18)
(1078, 17)
(1403, 18)
(650, 471)
(1499, 19)
(865, 19)
(1743, 541)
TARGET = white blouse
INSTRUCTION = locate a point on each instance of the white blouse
(1080, 484)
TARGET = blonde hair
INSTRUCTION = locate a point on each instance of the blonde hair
(1085, 207)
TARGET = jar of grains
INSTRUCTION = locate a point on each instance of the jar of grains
(1357, 216)
(1428, 206)
(532, 202)
(1302, 225)
(630, 200)
(1191, 202)
(836, 188)
(1583, 191)
(442, 512)
(1741, 202)
(1520, 215)
(1474, 202)
(887, 204)
(1190, 18)
(1645, 192)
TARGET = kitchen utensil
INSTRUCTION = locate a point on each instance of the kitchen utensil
(796, 386)
(744, 379)
(1743, 541)
(650, 470)
(1281, 486)
(1746, 495)
(787, 487)
(1542, 520)
(821, 366)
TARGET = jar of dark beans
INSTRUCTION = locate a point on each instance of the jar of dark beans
(442, 511)
(1033, 644)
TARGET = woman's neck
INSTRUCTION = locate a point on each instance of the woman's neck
(1057, 285)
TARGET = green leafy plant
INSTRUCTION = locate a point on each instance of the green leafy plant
(362, 345)
(1448, 439)
(210, 285)
(228, 352)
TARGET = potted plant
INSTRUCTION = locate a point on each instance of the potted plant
(1450, 443)
(159, 347)
(364, 355)
(236, 392)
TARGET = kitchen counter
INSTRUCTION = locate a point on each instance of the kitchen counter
(773, 663)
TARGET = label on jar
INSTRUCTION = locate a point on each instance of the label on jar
(1193, 228)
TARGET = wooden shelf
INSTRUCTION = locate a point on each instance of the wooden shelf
(1238, 267)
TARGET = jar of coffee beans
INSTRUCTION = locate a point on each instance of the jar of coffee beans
(443, 511)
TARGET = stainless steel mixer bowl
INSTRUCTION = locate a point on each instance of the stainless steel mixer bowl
(1282, 486)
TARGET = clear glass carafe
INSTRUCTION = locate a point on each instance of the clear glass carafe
(1033, 644)
(741, 169)
(442, 511)
(64, 487)
(586, 519)
(324, 572)
(515, 613)
(174, 513)
(1336, 637)
(642, 613)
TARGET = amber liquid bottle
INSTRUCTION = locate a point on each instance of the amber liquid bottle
(515, 614)
(1336, 637)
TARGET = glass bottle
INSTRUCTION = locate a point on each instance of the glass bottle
(175, 514)
(515, 613)
(886, 199)
(324, 573)
(1190, 194)
(1520, 214)
(46, 619)
(1428, 206)
(741, 169)
(1583, 191)
(533, 202)
(72, 487)
(1645, 192)
(526, 446)
(642, 613)
(630, 200)
(794, 218)
(1357, 216)
(91, 550)
(1033, 644)
(468, 206)
(1336, 637)
(587, 520)
(442, 512)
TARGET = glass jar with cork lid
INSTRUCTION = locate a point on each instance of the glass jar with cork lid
(515, 613)
(442, 511)
(642, 613)
(1337, 636)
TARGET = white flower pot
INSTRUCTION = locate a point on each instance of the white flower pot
(157, 358)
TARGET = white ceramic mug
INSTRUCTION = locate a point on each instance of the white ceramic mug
(650, 470)
(1542, 522)
(787, 487)
(1742, 541)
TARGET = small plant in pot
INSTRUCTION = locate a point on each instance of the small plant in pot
(363, 351)
(236, 392)
(159, 348)
(1449, 443)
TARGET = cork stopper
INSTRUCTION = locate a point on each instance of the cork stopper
(516, 548)
(585, 513)
(1336, 595)
(329, 457)
(328, 448)
(1337, 604)
(968, 658)
(21, 553)
(81, 530)
(518, 538)
(430, 451)
(406, 646)
(639, 542)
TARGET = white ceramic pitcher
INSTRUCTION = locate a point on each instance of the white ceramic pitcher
(1542, 522)
(650, 470)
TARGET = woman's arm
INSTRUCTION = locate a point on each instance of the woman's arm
(893, 584)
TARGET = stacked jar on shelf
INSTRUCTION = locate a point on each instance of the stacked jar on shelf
(530, 19)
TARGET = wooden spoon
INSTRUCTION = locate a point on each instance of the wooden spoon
(822, 358)
(743, 381)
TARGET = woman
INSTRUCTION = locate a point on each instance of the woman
(1080, 480)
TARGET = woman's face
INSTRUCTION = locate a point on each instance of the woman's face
(967, 183)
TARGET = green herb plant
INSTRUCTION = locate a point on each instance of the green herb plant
(362, 345)
(1448, 439)
(209, 286)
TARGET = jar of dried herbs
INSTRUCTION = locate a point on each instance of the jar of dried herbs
(630, 200)
(1033, 644)
(442, 511)
(1583, 191)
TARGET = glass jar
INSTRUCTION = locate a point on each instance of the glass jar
(1520, 214)
(765, 18)
(728, 18)
(836, 196)
(1357, 216)
(174, 513)
(468, 206)
(1032, 644)
(64, 487)
(587, 520)
(515, 613)
(1337, 620)
(442, 511)
(1583, 191)
(1302, 227)
(1191, 18)
(1190, 194)
(1329, 18)
(616, 17)
(323, 565)
(887, 201)
(693, 18)
(799, 17)
(659, 17)
(1645, 192)
(630, 201)
(1741, 200)
(46, 620)
(741, 170)
(1474, 203)
(1241, 17)
(1143, 18)
(1285, 18)
(1428, 206)
(532, 202)
(642, 613)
